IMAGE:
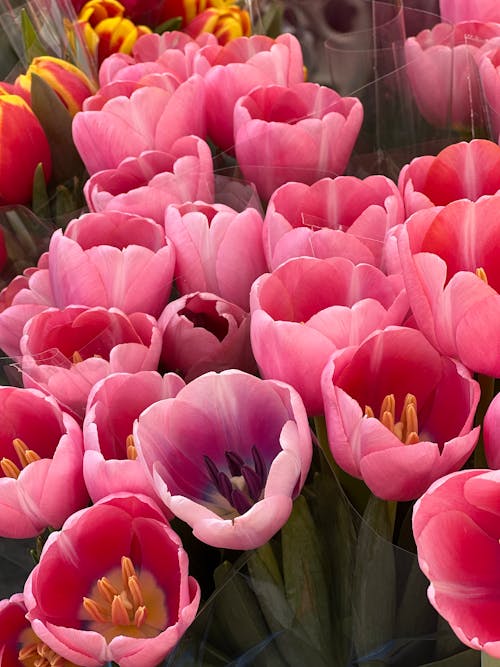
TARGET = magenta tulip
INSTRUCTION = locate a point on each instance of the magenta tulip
(147, 184)
(151, 119)
(203, 332)
(455, 525)
(340, 217)
(127, 594)
(65, 352)
(302, 133)
(399, 415)
(110, 460)
(491, 433)
(41, 452)
(454, 11)
(452, 276)
(227, 455)
(217, 249)
(307, 308)
(466, 170)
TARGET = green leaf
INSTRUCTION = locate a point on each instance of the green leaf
(56, 122)
(40, 198)
(174, 23)
(469, 658)
(32, 45)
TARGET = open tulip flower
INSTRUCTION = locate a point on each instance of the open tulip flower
(449, 260)
(303, 132)
(110, 460)
(65, 352)
(41, 452)
(307, 308)
(466, 170)
(456, 529)
(399, 415)
(227, 455)
(112, 585)
(339, 217)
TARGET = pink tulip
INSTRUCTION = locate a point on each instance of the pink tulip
(442, 69)
(491, 433)
(452, 277)
(65, 352)
(455, 11)
(241, 65)
(489, 73)
(147, 184)
(110, 464)
(151, 119)
(217, 249)
(455, 525)
(203, 332)
(303, 133)
(398, 414)
(340, 217)
(41, 477)
(124, 574)
(228, 454)
(133, 271)
(307, 308)
(463, 170)
(165, 47)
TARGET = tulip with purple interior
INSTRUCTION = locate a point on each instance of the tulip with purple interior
(112, 585)
(303, 132)
(228, 455)
(41, 466)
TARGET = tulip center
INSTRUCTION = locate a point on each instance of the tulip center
(406, 429)
(25, 456)
(35, 653)
(126, 603)
(244, 485)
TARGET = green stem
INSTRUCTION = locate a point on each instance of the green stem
(487, 385)
(488, 661)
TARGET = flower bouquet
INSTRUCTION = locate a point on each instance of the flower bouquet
(249, 410)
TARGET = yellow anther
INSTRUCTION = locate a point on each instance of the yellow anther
(9, 468)
(481, 273)
(368, 411)
(76, 357)
(106, 589)
(131, 450)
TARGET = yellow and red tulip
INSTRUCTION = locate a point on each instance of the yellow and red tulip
(223, 19)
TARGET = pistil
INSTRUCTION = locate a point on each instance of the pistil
(406, 429)
(25, 456)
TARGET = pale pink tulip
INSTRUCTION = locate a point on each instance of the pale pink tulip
(302, 133)
(217, 249)
(147, 184)
(340, 217)
(441, 64)
(122, 543)
(110, 464)
(466, 170)
(65, 352)
(398, 414)
(151, 119)
(452, 276)
(455, 525)
(491, 433)
(241, 65)
(307, 308)
(203, 332)
(227, 455)
(41, 474)
(455, 11)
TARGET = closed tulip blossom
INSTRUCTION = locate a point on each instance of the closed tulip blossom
(455, 525)
(217, 249)
(307, 308)
(203, 332)
(491, 433)
(340, 217)
(465, 170)
(41, 460)
(127, 597)
(410, 424)
(110, 460)
(451, 271)
(303, 132)
(121, 128)
(227, 455)
(67, 351)
(147, 184)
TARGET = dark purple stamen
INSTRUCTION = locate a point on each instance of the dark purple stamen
(240, 502)
(252, 481)
(259, 466)
(234, 463)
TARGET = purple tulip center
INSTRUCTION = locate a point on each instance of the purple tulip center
(406, 429)
(25, 456)
(208, 319)
(243, 484)
(126, 603)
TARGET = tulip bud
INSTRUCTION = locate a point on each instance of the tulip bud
(69, 82)
(24, 145)
(225, 20)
